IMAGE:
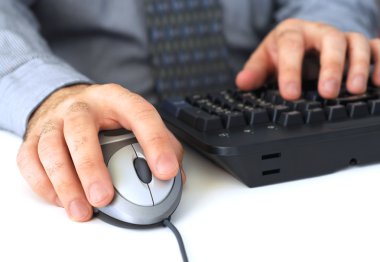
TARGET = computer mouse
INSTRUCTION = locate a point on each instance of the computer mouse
(141, 199)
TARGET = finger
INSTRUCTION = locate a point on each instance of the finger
(258, 67)
(375, 51)
(33, 172)
(333, 49)
(360, 58)
(291, 49)
(179, 153)
(81, 135)
(136, 114)
(56, 161)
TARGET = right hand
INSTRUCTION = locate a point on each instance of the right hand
(61, 158)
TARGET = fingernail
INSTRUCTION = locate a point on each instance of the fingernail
(359, 83)
(292, 90)
(331, 87)
(97, 193)
(78, 209)
(167, 164)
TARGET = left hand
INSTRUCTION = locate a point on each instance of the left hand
(282, 52)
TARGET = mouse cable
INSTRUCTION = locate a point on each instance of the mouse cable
(169, 224)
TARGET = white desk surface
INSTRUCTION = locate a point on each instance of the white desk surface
(329, 218)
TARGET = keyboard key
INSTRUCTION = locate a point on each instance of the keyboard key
(309, 105)
(232, 119)
(355, 98)
(357, 110)
(208, 123)
(274, 97)
(193, 99)
(190, 115)
(293, 118)
(336, 113)
(314, 116)
(208, 107)
(248, 99)
(201, 102)
(174, 106)
(296, 105)
(221, 99)
(275, 112)
(374, 107)
(200, 120)
(313, 95)
(256, 116)
(237, 106)
(330, 102)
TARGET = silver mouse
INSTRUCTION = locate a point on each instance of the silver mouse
(140, 198)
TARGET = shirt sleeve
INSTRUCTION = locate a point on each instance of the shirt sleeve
(347, 15)
(29, 72)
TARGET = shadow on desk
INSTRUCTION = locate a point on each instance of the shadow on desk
(329, 218)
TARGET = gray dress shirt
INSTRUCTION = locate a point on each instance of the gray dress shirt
(49, 44)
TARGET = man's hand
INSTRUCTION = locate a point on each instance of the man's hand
(283, 50)
(61, 158)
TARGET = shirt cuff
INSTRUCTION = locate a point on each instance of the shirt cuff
(347, 16)
(346, 25)
(23, 90)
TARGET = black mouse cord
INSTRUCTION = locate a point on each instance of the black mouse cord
(169, 224)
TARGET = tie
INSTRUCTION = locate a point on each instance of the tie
(188, 48)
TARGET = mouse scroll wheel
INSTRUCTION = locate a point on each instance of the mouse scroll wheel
(142, 170)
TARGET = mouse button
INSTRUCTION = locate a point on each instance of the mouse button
(116, 132)
(142, 170)
(139, 150)
(108, 139)
(160, 189)
(125, 179)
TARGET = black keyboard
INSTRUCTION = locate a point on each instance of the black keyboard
(262, 139)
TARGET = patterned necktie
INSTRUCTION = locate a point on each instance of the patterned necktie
(187, 45)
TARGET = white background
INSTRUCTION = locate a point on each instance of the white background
(329, 218)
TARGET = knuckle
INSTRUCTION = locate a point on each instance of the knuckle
(362, 61)
(355, 36)
(77, 107)
(146, 112)
(289, 73)
(134, 99)
(375, 41)
(331, 32)
(156, 139)
(334, 67)
(77, 127)
(361, 64)
(290, 22)
(85, 164)
(375, 45)
(46, 148)
(53, 167)
(78, 141)
(76, 132)
(292, 39)
(113, 87)
(321, 26)
(66, 187)
(48, 127)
